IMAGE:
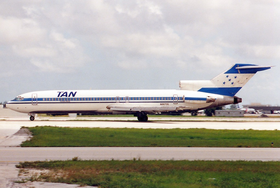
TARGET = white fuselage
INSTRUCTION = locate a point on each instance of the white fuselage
(193, 96)
(108, 101)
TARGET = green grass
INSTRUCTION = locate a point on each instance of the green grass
(160, 173)
(124, 137)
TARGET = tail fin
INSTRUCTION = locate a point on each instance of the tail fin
(227, 83)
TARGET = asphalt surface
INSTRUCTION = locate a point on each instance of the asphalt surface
(14, 155)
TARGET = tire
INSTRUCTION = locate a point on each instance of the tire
(142, 117)
(194, 113)
(32, 118)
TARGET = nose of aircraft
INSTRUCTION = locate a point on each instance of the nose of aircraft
(5, 104)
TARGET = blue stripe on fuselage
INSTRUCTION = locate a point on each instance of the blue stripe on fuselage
(109, 99)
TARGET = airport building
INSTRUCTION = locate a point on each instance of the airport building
(229, 113)
(265, 109)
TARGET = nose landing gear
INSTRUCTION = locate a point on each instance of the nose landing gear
(32, 117)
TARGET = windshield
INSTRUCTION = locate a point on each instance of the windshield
(19, 98)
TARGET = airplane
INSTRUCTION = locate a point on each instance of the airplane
(192, 96)
(249, 110)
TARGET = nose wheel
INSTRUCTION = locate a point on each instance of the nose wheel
(32, 118)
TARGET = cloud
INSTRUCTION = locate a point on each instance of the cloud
(19, 31)
(261, 51)
(178, 38)
(46, 49)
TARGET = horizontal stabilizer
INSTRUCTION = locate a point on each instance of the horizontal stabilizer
(255, 67)
(246, 69)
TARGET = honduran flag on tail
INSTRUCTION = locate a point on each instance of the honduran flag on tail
(227, 83)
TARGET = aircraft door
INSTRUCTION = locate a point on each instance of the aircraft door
(126, 99)
(175, 99)
(122, 99)
(34, 99)
(118, 99)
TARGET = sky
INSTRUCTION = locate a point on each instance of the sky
(140, 44)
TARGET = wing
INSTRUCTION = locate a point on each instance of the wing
(138, 108)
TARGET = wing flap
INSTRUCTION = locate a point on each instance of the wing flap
(141, 109)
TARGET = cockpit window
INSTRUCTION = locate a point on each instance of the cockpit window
(19, 98)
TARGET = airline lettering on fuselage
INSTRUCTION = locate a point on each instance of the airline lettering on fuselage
(65, 94)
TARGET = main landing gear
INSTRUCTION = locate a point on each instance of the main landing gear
(194, 113)
(142, 117)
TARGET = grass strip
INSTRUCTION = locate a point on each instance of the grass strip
(159, 173)
(47, 136)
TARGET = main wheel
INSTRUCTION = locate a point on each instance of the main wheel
(194, 113)
(142, 117)
(32, 118)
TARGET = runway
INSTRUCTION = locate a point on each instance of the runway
(13, 121)
(12, 154)
(15, 155)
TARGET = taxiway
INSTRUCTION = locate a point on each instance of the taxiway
(11, 153)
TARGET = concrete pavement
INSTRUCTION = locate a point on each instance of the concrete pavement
(11, 138)
(15, 154)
